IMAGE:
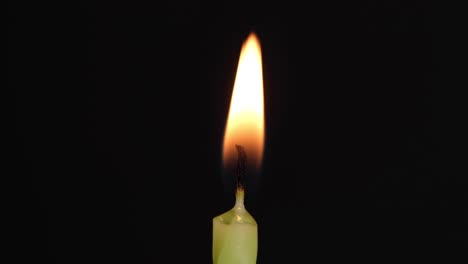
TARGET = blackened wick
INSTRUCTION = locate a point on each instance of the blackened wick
(240, 170)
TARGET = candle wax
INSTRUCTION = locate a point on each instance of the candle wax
(235, 235)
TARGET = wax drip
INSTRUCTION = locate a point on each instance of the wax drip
(240, 170)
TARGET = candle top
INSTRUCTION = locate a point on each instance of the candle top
(238, 214)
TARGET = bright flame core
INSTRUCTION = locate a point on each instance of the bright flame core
(245, 123)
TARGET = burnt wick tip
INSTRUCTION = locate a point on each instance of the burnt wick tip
(240, 170)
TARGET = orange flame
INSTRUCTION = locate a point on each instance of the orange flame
(245, 123)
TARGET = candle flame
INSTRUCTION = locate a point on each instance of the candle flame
(245, 123)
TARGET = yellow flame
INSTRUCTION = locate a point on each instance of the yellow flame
(245, 123)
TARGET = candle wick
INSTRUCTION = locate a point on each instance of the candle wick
(240, 170)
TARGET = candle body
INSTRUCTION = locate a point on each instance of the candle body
(235, 238)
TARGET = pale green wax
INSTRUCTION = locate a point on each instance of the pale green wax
(235, 235)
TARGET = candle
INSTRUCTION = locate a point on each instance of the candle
(235, 232)
(235, 235)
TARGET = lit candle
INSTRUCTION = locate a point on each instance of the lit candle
(235, 232)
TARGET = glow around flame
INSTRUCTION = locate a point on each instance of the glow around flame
(245, 123)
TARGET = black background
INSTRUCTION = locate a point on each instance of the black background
(121, 108)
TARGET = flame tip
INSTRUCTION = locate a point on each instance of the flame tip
(252, 37)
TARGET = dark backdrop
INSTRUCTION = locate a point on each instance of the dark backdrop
(120, 114)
